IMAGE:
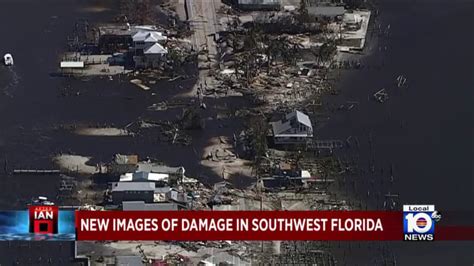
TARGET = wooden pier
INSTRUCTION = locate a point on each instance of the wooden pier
(37, 171)
(326, 144)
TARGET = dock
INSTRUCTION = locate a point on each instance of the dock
(326, 144)
(37, 171)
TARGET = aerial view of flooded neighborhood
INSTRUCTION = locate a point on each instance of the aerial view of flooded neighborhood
(161, 105)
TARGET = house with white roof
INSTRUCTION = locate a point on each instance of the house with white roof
(145, 43)
(294, 128)
(113, 38)
(148, 49)
(141, 38)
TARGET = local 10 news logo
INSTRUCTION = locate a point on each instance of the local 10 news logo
(419, 222)
(43, 219)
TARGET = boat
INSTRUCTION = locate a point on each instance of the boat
(41, 201)
(8, 59)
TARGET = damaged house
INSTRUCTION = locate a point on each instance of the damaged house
(294, 128)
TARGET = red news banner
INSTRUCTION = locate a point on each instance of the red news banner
(239, 225)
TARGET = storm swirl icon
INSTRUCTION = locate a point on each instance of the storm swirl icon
(421, 222)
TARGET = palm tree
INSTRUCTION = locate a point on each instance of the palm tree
(176, 59)
(303, 12)
(259, 129)
(327, 51)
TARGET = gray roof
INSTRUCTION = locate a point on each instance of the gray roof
(300, 117)
(128, 261)
(326, 11)
(259, 2)
(142, 206)
(133, 186)
(282, 126)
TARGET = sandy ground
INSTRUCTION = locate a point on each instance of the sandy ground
(220, 158)
(75, 163)
(95, 65)
(108, 132)
(95, 9)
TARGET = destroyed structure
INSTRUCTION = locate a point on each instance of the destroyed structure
(260, 5)
(142, 206)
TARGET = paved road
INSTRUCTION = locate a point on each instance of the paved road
(204, 22)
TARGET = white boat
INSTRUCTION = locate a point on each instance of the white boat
(8, 59)
(41, 200)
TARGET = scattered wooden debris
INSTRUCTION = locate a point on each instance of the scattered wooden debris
(140, 84)
(381, 96)
(401, 80)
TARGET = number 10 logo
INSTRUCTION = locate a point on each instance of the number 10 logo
(420, 223)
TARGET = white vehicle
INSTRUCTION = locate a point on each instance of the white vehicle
(8, 59)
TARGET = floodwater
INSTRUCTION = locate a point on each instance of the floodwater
(423, 134)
